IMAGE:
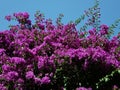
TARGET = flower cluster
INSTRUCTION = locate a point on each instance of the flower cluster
(44, 56)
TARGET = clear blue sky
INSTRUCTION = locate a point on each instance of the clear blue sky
(72, 9)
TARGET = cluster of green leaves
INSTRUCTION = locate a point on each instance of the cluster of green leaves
(108, 79)
(93, 17)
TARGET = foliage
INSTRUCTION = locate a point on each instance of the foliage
(44, 56)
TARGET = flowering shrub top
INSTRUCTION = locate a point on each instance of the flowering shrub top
(43, 56)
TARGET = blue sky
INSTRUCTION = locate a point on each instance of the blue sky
(72, 9)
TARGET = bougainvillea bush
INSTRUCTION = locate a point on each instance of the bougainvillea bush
(44, 56)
